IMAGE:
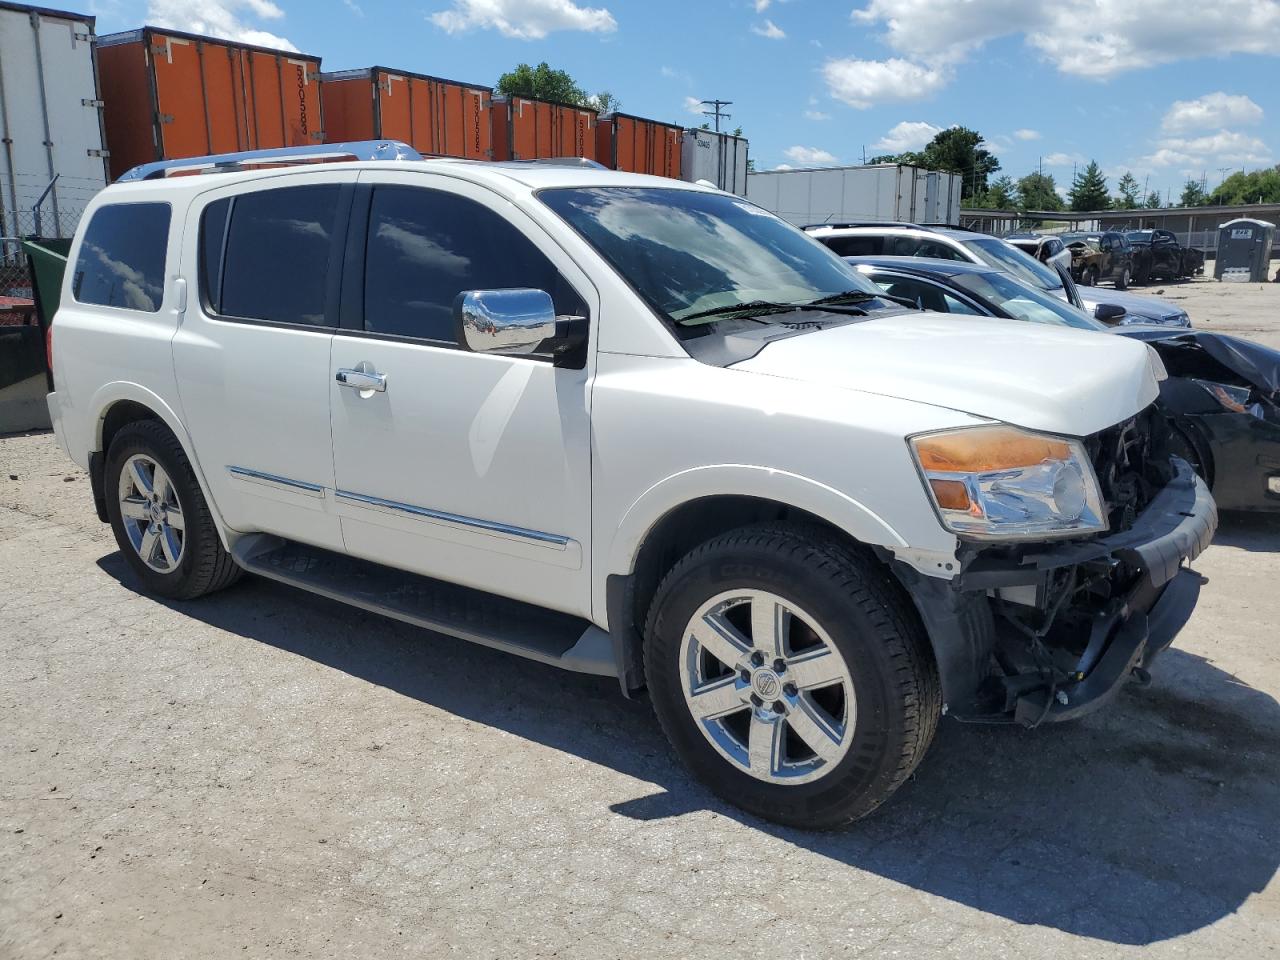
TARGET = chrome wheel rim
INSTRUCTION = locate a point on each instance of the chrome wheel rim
(767, 687)
(151, 513)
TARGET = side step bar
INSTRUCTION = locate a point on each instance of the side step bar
(559, 639)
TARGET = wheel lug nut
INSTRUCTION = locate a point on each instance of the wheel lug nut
(779, 707)
(756, 701)
(779, 665)
(790, 689)
(746, 676)
(757, 658)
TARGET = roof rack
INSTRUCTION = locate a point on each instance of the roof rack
(860, 223)
(230, 162)
(937, 225)
(581, 162)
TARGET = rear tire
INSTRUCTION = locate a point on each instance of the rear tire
(1089, 277)
(873, 694)
(159, 515)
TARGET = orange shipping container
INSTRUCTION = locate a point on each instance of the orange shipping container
(637, 145)
(169, 95)
(527, 129)
(434, 116)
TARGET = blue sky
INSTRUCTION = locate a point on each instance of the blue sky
(1166, 90)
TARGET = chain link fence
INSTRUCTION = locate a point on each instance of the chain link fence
(15, 275)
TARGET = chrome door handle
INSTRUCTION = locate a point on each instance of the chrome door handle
(359, 380)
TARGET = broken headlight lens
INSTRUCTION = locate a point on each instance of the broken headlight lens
(1233, 398)
(1003, 483)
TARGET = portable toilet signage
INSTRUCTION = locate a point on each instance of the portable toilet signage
(1244, 250)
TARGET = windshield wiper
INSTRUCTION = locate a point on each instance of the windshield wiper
(851, 296)
(768, 306)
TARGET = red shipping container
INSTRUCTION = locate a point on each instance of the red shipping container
(637, 145)
(528, 129)
(169, 95)
(434, 116)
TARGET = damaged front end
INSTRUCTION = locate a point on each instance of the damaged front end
(1046, 631)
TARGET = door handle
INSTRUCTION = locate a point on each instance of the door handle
(360, 380)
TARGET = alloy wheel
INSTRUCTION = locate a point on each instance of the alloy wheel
(767, 687)
(151, 514)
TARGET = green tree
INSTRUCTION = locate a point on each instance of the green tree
(1257, 186)
(1193, 194)
(958, 150)
(1001, 195)
(544, 82)
(1089, 189)
(605, 102)
(1153, 201)
(1128, 187)
(1038, 191)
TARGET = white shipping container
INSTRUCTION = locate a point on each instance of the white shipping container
(718, 158)
(50, 119)
(890, 192)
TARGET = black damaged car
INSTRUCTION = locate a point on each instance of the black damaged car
(1221, 396)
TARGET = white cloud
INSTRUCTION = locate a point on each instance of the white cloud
(1025, 134)
(694, 105)
(863, 83)
(1088, 38)
(762, 5)
(784, 166)
(809, 155)
(1062, 159)
(523, 19)
(1226, 147)
(354, 7)
(768, 29)
(1211, 110)
(220, 18)
(816, 115)
(907, 135)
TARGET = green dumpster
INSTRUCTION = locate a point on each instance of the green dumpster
(48, 261)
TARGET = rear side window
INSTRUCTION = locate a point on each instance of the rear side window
(855, 246)
(265, 255)
(427, 246)
(121, 260)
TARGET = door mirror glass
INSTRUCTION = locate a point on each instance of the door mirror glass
(1110, 313)
(514, 321)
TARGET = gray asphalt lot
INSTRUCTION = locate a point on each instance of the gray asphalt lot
(263, 773)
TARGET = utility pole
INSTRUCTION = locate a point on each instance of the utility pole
(1222, 174)
(716, 112)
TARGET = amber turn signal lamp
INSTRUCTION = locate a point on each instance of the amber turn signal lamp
(950, 494)
(980, 451)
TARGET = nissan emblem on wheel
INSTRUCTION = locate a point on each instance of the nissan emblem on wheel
(631, 427)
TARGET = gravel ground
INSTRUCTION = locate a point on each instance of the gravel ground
(264, 773)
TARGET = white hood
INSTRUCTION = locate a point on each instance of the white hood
(1054, 379)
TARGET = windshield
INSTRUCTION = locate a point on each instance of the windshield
(688, 252)
(1139, 236)
(1024, 302)
(1089, 239)
(1002, 256)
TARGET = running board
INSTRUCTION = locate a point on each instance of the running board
(547, 636)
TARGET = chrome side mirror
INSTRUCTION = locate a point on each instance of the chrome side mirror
(504, 321)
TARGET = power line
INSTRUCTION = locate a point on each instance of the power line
(716, 111)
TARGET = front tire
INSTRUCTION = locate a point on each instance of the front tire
(1088, 277)
(159, 515)
(1122, 281)
(790, 675)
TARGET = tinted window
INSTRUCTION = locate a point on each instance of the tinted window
(920, 247)
(856, 246)
(213, 236)
(276, 260)
(121, 261)
(426, 247)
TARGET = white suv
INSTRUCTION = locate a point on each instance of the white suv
(631, 427)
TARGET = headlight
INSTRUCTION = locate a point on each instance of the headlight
(1002, 483)
(1233, 398)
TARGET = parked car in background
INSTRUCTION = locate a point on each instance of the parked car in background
(630, 427)
(1162, 256)
(1222, 395)
(889, 239)
(1100, 257)
(1048, 249)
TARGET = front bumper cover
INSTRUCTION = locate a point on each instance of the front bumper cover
(1136, 624)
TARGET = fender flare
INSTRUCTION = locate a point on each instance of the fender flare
(112, 393)
(762, 483)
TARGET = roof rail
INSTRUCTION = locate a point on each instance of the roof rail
(860, 223)
(229, 162)
(582, 162)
